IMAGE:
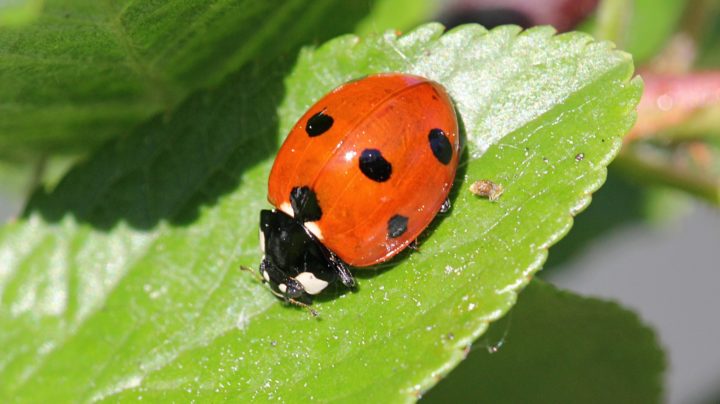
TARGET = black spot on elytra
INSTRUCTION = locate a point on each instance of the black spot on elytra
(397, 226)
(305, 204)
(440, 145)
(319, 124)
(374, 165)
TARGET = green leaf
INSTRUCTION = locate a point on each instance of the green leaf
(87, 71)
(14, 13)
(651, 25)
(397, 15)
(556, 347)
(124, 281)
(641, 27)
(707, 16)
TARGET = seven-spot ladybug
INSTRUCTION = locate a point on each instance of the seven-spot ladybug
(359, 177)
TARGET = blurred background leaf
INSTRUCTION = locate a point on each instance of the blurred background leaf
(15, 13)
(642, 27)
(83, 72)
(557, 347)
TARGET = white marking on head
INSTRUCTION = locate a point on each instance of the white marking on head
(262, 241)
(282, 287)
(312, 285)
(314, 229)
(266, 276)
(285, 207)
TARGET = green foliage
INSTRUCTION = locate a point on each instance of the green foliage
(86, 71)
(14, 13)
(556, 347)
(650, 25)
(124, 281)
(640, 27)
(709, 46)
(397, 15)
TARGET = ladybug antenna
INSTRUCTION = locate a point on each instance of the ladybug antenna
(303, 305)
(298, 303)
(251, 271)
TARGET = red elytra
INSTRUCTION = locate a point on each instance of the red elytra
(379, 156)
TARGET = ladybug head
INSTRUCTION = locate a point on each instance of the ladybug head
(288, 288)
(296, 265)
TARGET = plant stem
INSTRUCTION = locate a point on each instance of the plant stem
(659, 172)
(612, 21)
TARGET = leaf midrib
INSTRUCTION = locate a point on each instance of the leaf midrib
(144, 70)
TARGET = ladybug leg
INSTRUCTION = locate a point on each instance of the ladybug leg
(252, 272)
(284, 286)
(414, 245)
(303, 305)
(281, 284)
(342, 271)
(445, 207)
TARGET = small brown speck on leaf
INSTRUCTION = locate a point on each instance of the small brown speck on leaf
(487, 189)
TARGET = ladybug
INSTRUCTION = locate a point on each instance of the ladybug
(360, 176)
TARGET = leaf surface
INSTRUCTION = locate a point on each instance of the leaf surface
(123, 282)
